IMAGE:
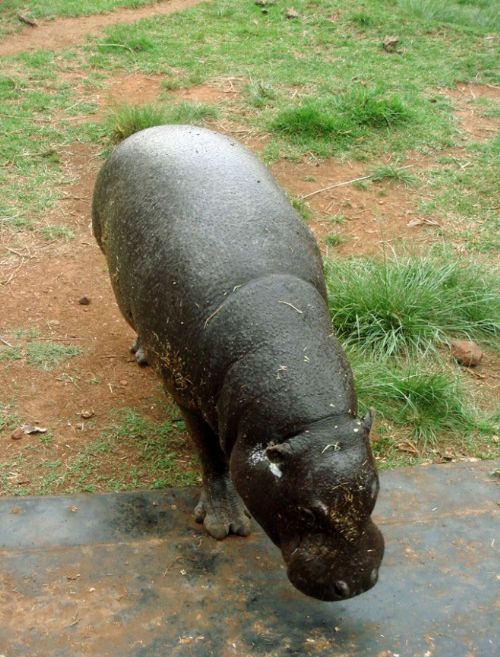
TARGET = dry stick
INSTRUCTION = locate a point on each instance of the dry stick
(347, 182)
(19, 255)
(6, 343)
(28, 21)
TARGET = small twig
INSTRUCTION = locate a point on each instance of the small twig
(6, 343)
(19, 255)
(347, 182)
(7, 281)
(287, 303)
(28, 21)
(476, 375)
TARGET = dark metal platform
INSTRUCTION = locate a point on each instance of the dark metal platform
(130, 575)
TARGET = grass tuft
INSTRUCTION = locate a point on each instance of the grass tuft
(482, 14)
(342, 118)
(391, 172)
(301, 207)
(129, 119)
(425, 398)
(406, 304)
(261, 94)
(334, 239)
(48, 355)
(191, 113)
(50, 233)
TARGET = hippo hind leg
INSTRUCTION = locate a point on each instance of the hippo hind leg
(220, 509)
(139, 353)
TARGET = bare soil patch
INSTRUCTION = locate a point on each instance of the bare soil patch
(63, 32)
(470, 115)
(368, 219)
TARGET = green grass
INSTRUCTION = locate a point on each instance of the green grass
(51, 233)
(44, 355)
(324, 124)
(128, 119)
(336, 219)
(134, 452)
(8, 419)
(301, 207)
(333, 73)
(408, 304)
(47, 356)
(261, 94)
(357, 98)
(465, 193)
(39, 9)
(335, 239)
(316, 86)
(30, 138)
(394, 173)
(430, 401)
(10, 353)
(481, 14)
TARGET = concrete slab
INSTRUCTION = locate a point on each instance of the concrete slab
(130, 575)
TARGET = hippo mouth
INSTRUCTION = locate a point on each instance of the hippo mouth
(329, 568)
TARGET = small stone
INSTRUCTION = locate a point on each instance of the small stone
(17, 434)
(292, 13)
(124, 382)
(84, 301)
(466, 352)
(87, 414)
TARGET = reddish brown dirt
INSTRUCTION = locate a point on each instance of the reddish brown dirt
(470, 115)
(41, 284)
(63, 32)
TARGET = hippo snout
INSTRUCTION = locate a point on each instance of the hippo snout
(330, 568)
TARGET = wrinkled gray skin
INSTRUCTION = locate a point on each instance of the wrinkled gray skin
(223, 284)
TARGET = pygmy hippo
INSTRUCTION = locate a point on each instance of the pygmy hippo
(223, 283)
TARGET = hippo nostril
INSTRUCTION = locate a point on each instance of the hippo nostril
(342, 589)
(373, 576)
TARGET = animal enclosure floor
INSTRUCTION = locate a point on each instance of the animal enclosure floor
(130, 575)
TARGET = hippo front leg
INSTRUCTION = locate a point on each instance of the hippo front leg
(220, 508)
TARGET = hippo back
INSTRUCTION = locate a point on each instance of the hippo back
(187, 206)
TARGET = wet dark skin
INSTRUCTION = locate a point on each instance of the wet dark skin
(223, 283)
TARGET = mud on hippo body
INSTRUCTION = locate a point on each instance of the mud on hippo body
(223, 283)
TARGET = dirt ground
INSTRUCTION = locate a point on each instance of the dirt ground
(41, 284)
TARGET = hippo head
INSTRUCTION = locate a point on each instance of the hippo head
(313, 494)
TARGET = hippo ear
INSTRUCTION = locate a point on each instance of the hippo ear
(368, 419)
(278, 453)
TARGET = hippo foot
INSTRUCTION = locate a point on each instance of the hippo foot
(221, 510)
(140, 356)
